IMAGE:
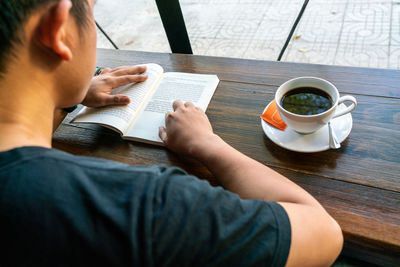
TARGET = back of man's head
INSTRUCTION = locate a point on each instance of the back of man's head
(13, 15)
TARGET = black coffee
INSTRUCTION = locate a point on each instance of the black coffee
(306, 101)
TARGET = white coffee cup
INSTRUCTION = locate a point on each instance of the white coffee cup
(306, 124)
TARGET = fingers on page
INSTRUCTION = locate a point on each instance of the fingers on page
(129, 70)
(105, 71)
(162, 133)
(139, 69)
(168, 115)
(123, 80)
(121, 99)
(114, 70)
(189, 105)
(106, 100)
(177, 104)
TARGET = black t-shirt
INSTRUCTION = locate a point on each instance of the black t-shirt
(58, 209)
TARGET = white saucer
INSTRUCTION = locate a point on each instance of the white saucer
(315, 142)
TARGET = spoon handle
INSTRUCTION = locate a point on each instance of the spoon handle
(333, 142)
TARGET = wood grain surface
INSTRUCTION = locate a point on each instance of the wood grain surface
(359, 184)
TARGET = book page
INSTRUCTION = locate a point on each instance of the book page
(120, 117)
(196, 88)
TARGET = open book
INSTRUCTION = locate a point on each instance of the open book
(150, 100)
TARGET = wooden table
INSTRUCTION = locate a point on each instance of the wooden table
(359, 184)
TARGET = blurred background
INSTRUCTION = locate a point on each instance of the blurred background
(363, 33)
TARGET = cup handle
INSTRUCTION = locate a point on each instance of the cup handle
(348, 109)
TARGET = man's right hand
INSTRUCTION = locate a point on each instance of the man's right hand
(188, 130)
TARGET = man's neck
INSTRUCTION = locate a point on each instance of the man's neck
(26, 111)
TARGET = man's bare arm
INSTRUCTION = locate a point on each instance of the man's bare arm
(316, 237)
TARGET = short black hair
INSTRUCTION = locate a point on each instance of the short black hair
(13, 15)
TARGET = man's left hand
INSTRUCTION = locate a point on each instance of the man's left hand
(99, 93)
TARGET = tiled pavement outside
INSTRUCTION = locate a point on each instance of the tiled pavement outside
(363, 33)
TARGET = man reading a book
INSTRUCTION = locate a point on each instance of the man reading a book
(60, 209)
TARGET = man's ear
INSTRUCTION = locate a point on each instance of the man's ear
(52, 29)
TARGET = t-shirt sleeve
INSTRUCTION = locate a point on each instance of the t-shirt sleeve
(195, 224)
